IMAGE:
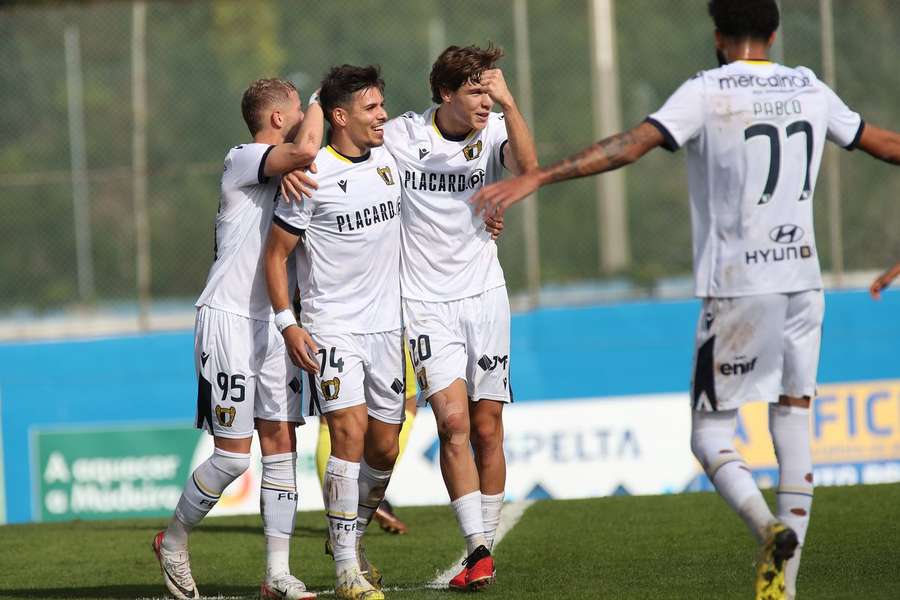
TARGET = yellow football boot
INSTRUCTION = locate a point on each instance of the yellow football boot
(351, 585)
(781, 541)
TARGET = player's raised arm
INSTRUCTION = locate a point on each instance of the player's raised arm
(883, 144)
(302, 150)
(607, 154)
(519, 155)
(297, 341)
(883, 281)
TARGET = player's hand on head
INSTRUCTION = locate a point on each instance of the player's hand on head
(494, 225)
(495, 84)
(301, 348)
(298, 184)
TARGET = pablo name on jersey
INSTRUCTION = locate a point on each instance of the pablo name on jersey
(431, 181)
(378, 213)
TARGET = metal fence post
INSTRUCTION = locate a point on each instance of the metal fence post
(612, 217)
(529, 205)
(80, 202)
(139, 158)
(831, 159)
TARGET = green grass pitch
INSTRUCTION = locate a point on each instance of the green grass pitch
(663, 547)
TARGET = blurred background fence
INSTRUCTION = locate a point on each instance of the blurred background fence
(116, 117)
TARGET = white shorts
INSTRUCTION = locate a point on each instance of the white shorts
(360, 368)
(243, 373)
(757, 348)
(464, 339)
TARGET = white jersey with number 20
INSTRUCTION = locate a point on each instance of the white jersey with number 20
(754, 133)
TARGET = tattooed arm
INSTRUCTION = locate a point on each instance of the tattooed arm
(607, 154)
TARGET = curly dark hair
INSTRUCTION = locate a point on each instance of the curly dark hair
(455, 66)
(755, 19)
(340, 83)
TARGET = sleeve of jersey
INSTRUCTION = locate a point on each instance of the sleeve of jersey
(681, 118)
(499, 137)
(845, 126)
(293, 217)
(247, 164)
(393, 131)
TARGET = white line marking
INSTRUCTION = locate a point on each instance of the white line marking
(510, 516)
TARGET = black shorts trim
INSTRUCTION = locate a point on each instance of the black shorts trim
(287, 226)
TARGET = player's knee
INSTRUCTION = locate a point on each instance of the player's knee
(713, 451)
(382, 452)
(487, 434)
(453, 429)
(231, 463)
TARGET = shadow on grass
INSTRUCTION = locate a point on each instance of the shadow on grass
(119, 591)
(214, 528)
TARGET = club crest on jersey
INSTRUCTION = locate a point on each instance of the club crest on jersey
(386, 175)
(422, 379)
(472, 151)
(225, 416)
(331, 388)
(343, 185)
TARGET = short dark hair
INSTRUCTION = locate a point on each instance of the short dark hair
(739, 19)
(456, 66)
(340, 83)
(261, 95)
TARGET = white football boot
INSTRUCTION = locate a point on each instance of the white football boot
(176, 570)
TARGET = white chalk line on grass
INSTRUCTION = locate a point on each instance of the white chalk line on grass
(509, 518)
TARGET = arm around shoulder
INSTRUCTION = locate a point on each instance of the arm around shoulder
(299, 153)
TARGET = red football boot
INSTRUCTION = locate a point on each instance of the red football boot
(478, 571)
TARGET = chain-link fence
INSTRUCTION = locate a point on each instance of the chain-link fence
(92, 90)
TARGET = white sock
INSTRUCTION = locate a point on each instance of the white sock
(201, 492)
(340, 491)
(491, 505)
(712, 441)
(278, 505)
(372, 487)
(468, 514)
(789, 426)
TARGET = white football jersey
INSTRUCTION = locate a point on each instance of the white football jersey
(755, 133)
(348, 263)
(447, 253)
(237, 282)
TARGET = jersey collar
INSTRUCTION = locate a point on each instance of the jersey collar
(348, 159)
(450, 138)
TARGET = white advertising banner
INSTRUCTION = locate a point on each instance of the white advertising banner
(556, 449)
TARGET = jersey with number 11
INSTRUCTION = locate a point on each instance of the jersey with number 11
(754, 132)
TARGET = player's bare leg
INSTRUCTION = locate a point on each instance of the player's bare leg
(385, 515)
(278, 503)
(486, 418)
(451, 411)
(789, 426)
(229, 460)
(347, 430)
(381, 450)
